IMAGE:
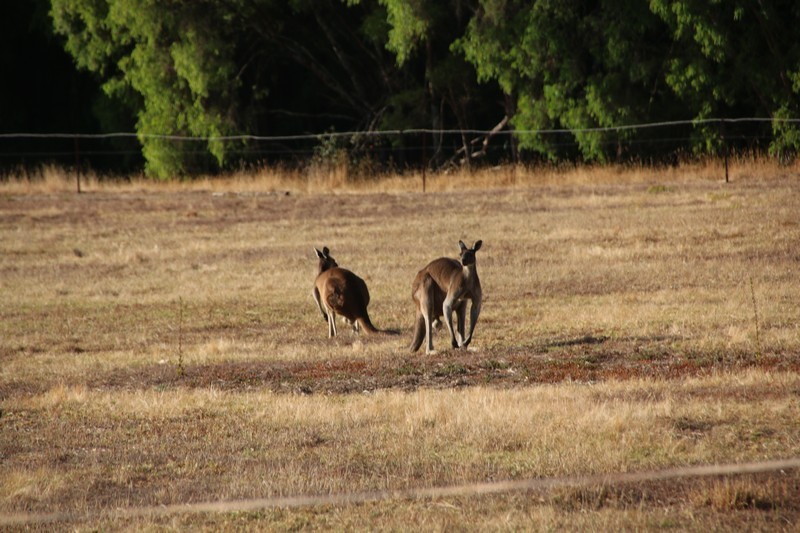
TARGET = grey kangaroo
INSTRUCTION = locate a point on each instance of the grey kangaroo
(442, 287)
(337, 290)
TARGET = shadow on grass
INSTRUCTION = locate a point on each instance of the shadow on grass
(586, 340)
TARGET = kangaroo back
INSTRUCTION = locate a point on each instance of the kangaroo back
(435, 278)
(347, 295)
(334, 293)
(360, 303)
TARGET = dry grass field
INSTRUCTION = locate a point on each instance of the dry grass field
(159, 345)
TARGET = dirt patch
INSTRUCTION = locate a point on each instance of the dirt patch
(442, 370)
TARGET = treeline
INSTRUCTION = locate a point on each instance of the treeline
(213, 68)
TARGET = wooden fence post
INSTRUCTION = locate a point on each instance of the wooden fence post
(77, 163)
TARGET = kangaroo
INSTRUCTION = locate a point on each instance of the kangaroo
(337, 290)
(443, 286)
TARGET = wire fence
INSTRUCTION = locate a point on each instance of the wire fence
(353, 498)
(398, 149)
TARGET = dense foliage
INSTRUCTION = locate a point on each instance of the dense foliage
(212, 68)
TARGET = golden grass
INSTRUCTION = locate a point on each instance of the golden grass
(159, 344)
(342, 178)
(169, 444)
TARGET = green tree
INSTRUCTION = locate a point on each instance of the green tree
(170, 60)
(212, 68)
(447, 95)
(580, 64)
(572, 64)
(739, 57)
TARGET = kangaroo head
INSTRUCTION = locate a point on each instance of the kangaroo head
(325, 260)
(468, 254)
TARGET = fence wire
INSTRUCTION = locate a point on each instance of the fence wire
(380, 133)
(398, 149)
(470, 489)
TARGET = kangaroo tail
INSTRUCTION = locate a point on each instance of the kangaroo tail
(419, 333)
(366, 323)
(421, 291)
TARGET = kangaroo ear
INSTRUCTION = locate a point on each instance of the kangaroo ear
(325, 251)
(462, 246)
(319, 254)
(477, 245)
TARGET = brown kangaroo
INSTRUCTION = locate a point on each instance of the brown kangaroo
(338, 290)
(443, 286)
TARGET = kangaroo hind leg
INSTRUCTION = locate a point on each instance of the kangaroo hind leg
(317, 299)
(461, 319)
(426, 304)
(331, 323)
